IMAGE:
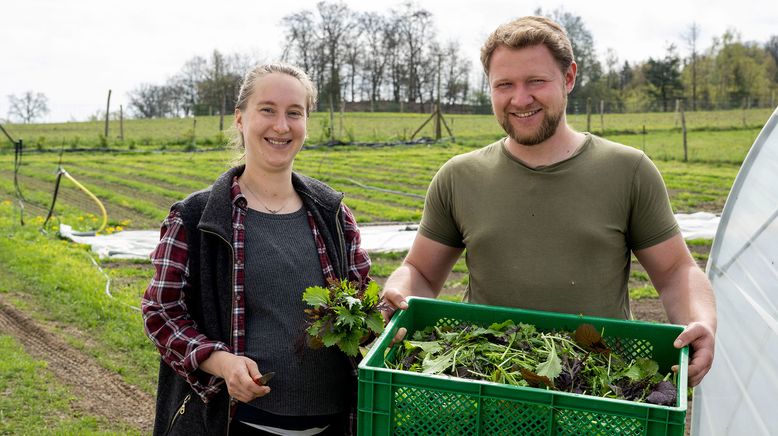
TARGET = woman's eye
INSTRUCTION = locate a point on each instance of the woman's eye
(266, 110)
(296, 114)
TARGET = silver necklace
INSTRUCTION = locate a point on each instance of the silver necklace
(273, 211)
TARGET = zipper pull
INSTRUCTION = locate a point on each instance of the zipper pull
(182, 409)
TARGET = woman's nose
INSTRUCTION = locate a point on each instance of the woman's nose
(281, 126)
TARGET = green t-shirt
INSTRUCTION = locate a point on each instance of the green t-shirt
(555, 238)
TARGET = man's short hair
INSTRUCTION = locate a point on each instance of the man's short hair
(528, 32)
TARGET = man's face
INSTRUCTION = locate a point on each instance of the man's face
(529, 92)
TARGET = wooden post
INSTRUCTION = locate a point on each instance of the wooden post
(342, 109)
(107, 113)
(437, 105)
(194, 129)
(221, 112)
(677, 111)
(602, 117)
(588, 114)
(644, 137)
(121, 123)
(332, 119)
(683, 128)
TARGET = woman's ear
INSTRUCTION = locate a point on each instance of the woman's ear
(239, 120)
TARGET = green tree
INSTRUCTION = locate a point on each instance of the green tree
(743, 72)
(664, 76)
(589, 67)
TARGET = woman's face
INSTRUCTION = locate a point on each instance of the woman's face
(273, 124)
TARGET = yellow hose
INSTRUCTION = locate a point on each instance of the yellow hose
(92, 196)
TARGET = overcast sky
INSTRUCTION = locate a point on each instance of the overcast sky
(75, 51)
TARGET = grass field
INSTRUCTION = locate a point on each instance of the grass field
(56, 281)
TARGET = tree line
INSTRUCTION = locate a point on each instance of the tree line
(395, 62)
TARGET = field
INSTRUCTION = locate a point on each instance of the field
(51, 285)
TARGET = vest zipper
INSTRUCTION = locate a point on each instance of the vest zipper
(342, 244)
(232, 307)
(181, 410)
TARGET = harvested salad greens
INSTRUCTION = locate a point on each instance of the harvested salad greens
(343, 315)
(518, 354)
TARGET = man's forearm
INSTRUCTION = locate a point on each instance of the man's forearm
(688, 297)
(408, 281)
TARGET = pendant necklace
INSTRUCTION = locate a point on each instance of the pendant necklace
(272, 211)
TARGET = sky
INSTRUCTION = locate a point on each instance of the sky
(75, 51)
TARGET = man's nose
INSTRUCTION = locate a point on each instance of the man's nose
(521, 97)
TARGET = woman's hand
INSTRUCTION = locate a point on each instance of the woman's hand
(240, 373)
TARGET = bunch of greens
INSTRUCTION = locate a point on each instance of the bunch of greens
(521, 355)
(343, 315)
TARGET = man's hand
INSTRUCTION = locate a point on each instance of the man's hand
(395, 300)
(239, 373)
(701, 341)
(687, 297)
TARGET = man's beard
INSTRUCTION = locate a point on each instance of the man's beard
(546, 130)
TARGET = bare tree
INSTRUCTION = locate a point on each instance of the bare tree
(416, 30)
(691, 36)
(223, 74)
(186, 84)
(149, 101)
(336, 22)
(455, 74)
(354, 52)
(28, 107)
(376, 35)
(302, 42)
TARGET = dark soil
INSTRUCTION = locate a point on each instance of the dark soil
(97, 391)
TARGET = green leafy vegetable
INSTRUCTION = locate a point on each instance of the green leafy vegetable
(519, 354)
(343, 315)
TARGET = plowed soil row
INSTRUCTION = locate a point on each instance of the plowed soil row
(98, 391)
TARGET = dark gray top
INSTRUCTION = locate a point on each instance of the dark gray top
(280, 262)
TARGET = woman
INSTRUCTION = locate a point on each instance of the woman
(225, 304)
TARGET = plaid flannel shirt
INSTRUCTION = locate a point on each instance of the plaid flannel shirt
(165, 315)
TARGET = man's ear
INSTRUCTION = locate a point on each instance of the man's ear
(570, 77)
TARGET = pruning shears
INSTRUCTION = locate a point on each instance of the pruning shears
(265, 378)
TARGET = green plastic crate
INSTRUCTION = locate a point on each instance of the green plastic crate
(393, 402)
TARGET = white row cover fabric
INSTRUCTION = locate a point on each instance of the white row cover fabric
(740, 393)
(137, 244)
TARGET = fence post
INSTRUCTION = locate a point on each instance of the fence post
(588, 114)
(107, 113)
(683, 128)
(602, 117)
(677, 111)
(121, 123)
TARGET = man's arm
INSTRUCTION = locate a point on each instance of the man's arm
(688, 299)
(422, 273)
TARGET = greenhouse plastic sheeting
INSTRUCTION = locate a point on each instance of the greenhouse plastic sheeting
(137, 244)
(740, 393)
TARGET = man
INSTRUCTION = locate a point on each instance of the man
(549, 216)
